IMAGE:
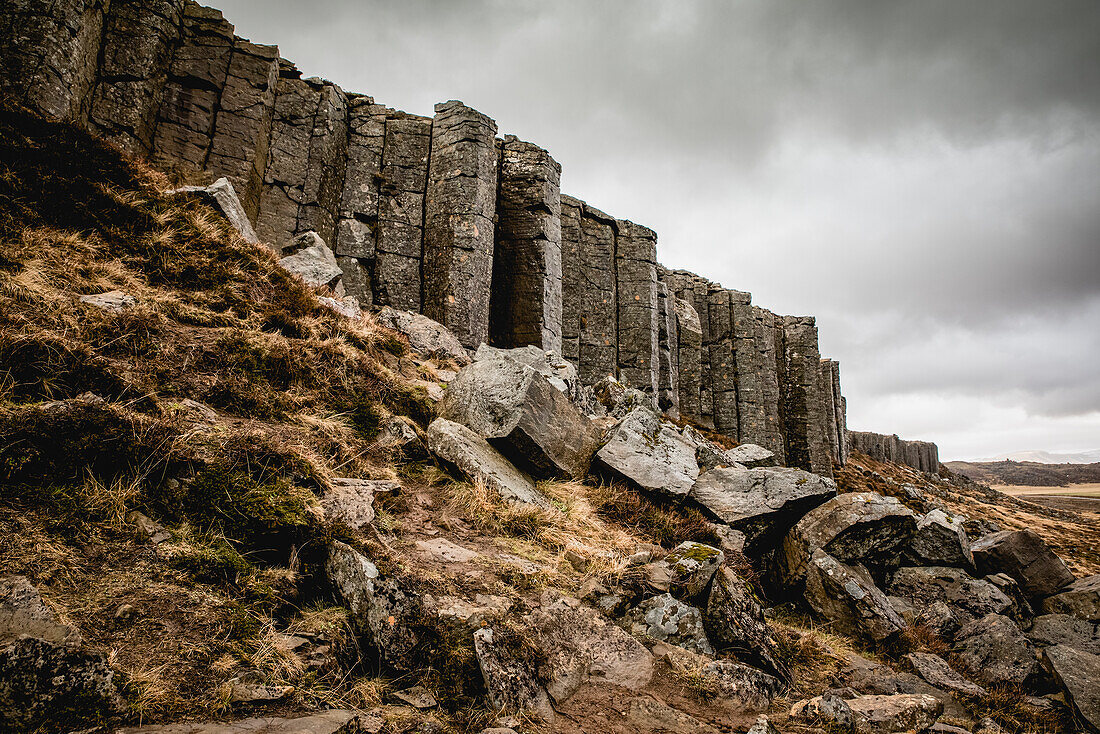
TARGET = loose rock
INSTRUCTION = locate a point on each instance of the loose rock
(693, 565)
(890, 714)
(995, 649)
(734, 622)
(1077, 673)
(939, 541)
(649, 453)
(937, 672)
(1081, 599)
(1024, 556)
(425, 336)
(308, 257)
(665, 619)
(850, 601)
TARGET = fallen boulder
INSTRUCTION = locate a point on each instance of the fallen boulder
(859, 527)
(741, 687)
(734, 622)
(648, 452)
(939, 541)
(849, 601)
(559, 372)
(223, 197)
(751, 456)
(425, 336)
(308, 257)
(518, 411)
(761, 503)
(995, 650)
(1080, 599)
(510, 679)
(114, 301)
(1077, 672)
(665, 619)
(1024, 556)
(827, 710)
(938, 673)
(351, 501)
(1062, 629)
(897, 713)
(472, 456)
(967, 597)
(693, 565)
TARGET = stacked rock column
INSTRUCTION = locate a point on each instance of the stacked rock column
(526, 299)
(689, 351)
(636, 287)
(840, 412)
(807, 445)
(668, 377)
(458, 221)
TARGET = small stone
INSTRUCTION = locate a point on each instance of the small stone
(418, 697)
(446, 550)
(124, 612)
(693, 565)
(256, 693)
(828, 709)
(658, 576)
(110, 301)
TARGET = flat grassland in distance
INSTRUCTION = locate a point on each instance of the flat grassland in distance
(1072, 490)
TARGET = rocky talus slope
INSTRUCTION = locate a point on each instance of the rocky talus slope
(230, 502)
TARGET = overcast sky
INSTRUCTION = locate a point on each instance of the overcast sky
(923, 176)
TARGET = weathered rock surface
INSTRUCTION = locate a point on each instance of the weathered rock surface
(559, 372)
(649, 453)
(937, 672)
(890, 714)
(636, 285)
(23, 613)
(1081, 599)
(752, 456)
(511, 681)
(351, 501)
(472, 455)
(425, 336)
(308, 257)
(858, 527)
(740, 686)
(939, 541)
(1063, 629)
(997, 652)
(761, 503)
(1077, 673)
(114, 301)
(968, 598)
(693, 565)
(735, 623)
(666, 619)
(589, 294)
(828, 709)
(221, 196)
(921, 455)
(326, 722)
(803, 407)
(1024, 556)
(849, 600)
(649, 714)
(517, 410)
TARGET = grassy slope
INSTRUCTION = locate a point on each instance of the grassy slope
(1027, 473)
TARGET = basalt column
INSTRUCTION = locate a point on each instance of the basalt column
(50, 51)
(589, 297)
(139, 39)
(807, 444)
(721, 303)
(458, 221)
(692, 289)
(636, 286)
(358, 217)
(689, 350)
(526, 302)
(571, 244)
(840, 412)
(400, 233)
(828, 408)
(668, 377)
(757, 378)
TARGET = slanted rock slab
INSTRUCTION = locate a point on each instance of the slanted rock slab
(1077, 673)
(849, 601)
(428, 337)
(997, 651)
(968, 598)
(1024, 556)
(1062, 629)
(939, 541)
(1080, 599)
(223, 197)
(325, 722)
(751, 456)
(648, 452)
(937, 672)
(890, 714)
(734, 622)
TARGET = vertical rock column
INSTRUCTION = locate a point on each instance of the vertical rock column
(693, 290)
(807, 445)
(668, 376)
(689, 351)
(304, 178)
(399, 237)
(636, 286)
(358, 216)
(458, 221)
(571, 314)
(139, 39)
(526, 302)
(722, 304)
(828, 408)
(840, 413)
(50, 51)
(757, 378)
(589, 295)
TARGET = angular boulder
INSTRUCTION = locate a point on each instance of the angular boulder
(741, 687)
(222, 197)
(1062, 629)
(518, 411)
(665, 619)
(113, 301)
(849, 601)
(308, 257)
(693, 565)
(897, 713)
(939, 541)
(751, 456)
(859, 527)
(649, 453)
(968, 598)
(427, 337)
(1024, 556)
(734, 622)
(559, 372)
(23, 613)
(351, 501)
(997, 652)
(938, 673)
(511, 681)
(828, 710)
(1077, 673)
(1080, 599)
(472, 456)
(761, 503)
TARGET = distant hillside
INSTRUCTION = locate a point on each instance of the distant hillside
(1047, 457)
(1027, 473)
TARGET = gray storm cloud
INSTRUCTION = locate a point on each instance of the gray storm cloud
(923, 176)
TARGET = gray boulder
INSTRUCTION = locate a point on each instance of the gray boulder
(860, 527)
(1021, 610)
(473, 457)
(938, 673)
(968, 598)
(741, 687)
(693, 565)
(1062, 629)
(558, 372)
(351, 501)
(348, 306)
(761, 503)
(1081, 599)
(113, 301)
(762, 725)
(308, 257)
(939, 541)
(223, 197)
(889, 714)
(23, 613)
(1024, 556)
(827, 710)
(510, 679)
(995, 650)
(734, 622)
(751, 456)
(849, 601)
(427, 337)
(648, 452)
(518, 411)
(1077, 672)
(666, 619)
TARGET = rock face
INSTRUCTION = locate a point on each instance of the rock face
(850, 601)
(472, 455)
(937, 672)
(1024, 556)
(889, 714)
(636, 285)
(351, 501)
(920, 455)
(518, 411)
(804, 407)
(743, 687)
(1081, 599)
(1062, 629)
(650, 454)
(1077, 672)
(997, 651)
(761, 503)
(511, 683)
(859, 527)
(967, 598)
